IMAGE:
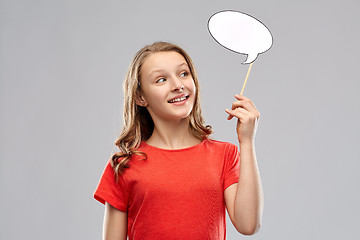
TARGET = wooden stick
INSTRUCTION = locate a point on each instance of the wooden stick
(247, 75)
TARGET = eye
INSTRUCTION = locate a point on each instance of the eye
(160, 80)
(184, 74)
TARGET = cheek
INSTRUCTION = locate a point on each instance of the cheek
(157, 94)
(193, 87)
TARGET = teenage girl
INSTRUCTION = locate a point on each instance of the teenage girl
(170, 180)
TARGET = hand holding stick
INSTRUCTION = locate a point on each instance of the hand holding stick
(242, 90)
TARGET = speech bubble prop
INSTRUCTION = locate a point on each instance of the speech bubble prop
(241, 33)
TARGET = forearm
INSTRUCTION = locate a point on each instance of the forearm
(115, 224)
(248, 206)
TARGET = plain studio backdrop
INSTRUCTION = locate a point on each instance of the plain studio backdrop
(62, 65)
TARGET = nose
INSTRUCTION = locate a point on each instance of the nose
(177, 84)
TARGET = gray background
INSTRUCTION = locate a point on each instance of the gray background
(62, 65)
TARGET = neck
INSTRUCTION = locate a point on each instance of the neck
(172, 134)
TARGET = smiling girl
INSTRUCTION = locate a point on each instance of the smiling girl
(170, 180)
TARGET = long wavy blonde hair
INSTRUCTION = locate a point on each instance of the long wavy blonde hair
(138, 124)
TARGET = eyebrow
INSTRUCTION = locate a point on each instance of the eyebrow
(161, 70)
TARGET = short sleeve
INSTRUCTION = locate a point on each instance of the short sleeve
(108, 190)
(232, 165)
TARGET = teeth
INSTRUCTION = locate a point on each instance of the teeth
(178, 99)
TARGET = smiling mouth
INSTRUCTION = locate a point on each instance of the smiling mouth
(179, 99)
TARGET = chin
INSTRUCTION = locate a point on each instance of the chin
(180, 116)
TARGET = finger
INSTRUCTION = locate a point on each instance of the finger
(248, 105)
(230, 117)
(235, 104)
(242, 97)
(239, 113)
(243, 104)
(229, 112)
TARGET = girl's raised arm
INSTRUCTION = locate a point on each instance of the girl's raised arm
(115, 223)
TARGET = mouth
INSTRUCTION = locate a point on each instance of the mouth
(179, 99)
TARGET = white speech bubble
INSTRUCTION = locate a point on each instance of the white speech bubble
(241, 33)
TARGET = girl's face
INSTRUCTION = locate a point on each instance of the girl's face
(166, 76)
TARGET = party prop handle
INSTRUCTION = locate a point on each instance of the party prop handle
(247, 76)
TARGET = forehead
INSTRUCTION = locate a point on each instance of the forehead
(162, 61)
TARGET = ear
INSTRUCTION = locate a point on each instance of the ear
(140, 100)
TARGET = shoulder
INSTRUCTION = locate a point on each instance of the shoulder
(221, 144)
(221, 147)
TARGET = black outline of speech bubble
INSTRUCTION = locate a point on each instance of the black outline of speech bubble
(247, 55)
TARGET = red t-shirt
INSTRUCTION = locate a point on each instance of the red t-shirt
(174, 194)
